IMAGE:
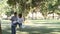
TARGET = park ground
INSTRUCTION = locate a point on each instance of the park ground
(33, 27)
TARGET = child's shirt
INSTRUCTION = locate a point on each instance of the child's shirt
(20, 20)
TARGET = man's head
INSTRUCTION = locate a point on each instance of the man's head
(15, 14)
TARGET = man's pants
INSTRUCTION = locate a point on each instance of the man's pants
(13, 27)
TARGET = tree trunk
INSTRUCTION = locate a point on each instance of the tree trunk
(32, 16)
(0, 28)
(53, 14)
(45, 17)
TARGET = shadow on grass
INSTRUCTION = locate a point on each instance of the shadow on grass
(34, 30)
(40, 30)
(48, 23)
(5, 32)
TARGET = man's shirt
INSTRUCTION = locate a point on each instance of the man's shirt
(14, 18)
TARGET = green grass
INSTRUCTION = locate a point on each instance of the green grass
(6, 29)
(46, 21)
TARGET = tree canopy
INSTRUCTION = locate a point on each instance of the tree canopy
(24, 6)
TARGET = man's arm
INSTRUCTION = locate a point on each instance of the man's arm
(12, 19)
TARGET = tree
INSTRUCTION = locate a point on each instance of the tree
(49, 7)
(21, 4)
(2, 10)
(54, 7)
(24, 6)
(0, 28)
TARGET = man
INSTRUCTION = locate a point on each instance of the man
(13, 24)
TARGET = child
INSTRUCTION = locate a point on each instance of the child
(20, 20)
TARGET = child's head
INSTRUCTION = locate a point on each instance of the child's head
(20, 15)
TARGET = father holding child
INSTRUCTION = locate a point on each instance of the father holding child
(16, 20)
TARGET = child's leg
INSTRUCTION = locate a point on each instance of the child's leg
(20, 25)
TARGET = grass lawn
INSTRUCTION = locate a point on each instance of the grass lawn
(37, 27)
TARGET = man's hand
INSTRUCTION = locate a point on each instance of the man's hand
(14, 21)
